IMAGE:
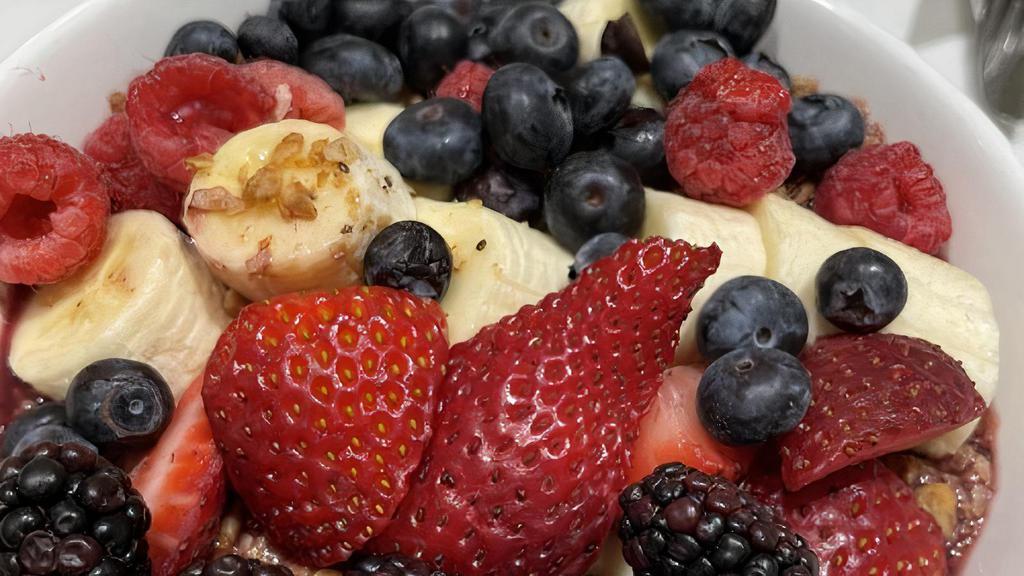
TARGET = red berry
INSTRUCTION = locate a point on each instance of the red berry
(537, 416)
(891, 190)
(726, 137)
(189, 105)
(298, 93)
(466, 82)
(111, 143)
(322, 404)
(53, 210)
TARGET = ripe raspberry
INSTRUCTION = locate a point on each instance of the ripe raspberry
(726, 137)
(466, 82)
(298, 93)
(53, 210)
(891, 190)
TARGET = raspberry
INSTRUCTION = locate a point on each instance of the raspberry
(726, 138)
(53, 210)
(188, 105)
(466, 82)
(891, 190)
(298, 93)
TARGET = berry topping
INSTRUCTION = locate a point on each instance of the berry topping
(638, 138)
(59, 434)
(53, 210)
(322, 405)
(358, 69)
(598, 247)
(622, 39)
(46, 414)
(234, 565)
(679, 520)
(599, 93)
(376, 20)
(751, 311)
(874, 395)
(679, 56)
(823, 127)
(764, 63)
(410, 256)
(308, 18)
(431, 42)
(514, 192)
(742, 22)
(299, 94)
(725, 138)
(537, 415)
(204, 37)
(439, 140)
(466, 82)
(891, 190)
(860, 290)
(537, 34)
(388, 565)
(266, 37)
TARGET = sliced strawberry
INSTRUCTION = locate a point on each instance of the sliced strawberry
(299, 94)
(182, 482)
(538, 414)
(322, 404)
(874, 395)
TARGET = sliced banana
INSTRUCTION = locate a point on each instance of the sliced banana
(291, 206)
(646, 95)
(591, 16)
(147, 297)
(366, 123)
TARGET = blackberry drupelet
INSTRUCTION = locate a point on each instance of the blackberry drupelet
(66, 510)
(679, 520)
(234, 565)
(388, 565)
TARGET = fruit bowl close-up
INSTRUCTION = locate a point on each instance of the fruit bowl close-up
(239, 246)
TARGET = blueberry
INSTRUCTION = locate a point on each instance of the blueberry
(823, 127)
(751, 311)
(410, 256)
(358, 69)
(46, 413)
(679, 56)
(513, 192)
(537, 34)
(592, 193)
(621, 38)
(439, 140)
(55, 433)
(371, 19)
(117, 402)
(764, 63)
(860, 290)
(599, 93)
(683, 14)
(527, 116)
(598, 247)
(638, 138)
(464, 9)
(266, 37)
(751, 395)
(431, 41)
(308, 18)
(742, 22)
(204, 36)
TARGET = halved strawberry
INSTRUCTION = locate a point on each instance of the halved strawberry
(182, 482)
(299, 94)
(874, 394)
(322, 404)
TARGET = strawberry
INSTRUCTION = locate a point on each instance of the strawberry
(860, 521)
(182, 481)
(873, 395)
(322, 404)
(537, 416)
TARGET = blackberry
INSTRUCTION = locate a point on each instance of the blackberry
(388, 565)
(234, 565)
(66, 510)
(679, 520)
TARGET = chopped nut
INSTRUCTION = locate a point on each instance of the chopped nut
(201, 162)
(216, 199)
(116, 102)
(316, 151)
(259, 263)
(287, 149)
(263, 186)
(804, 86)
(342, 150)
(939, 500)
(296, 201)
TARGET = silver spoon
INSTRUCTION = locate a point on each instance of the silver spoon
(1000, 27)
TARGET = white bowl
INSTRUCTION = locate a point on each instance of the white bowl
(57, 83)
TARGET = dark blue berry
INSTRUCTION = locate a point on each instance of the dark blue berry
(861, 290)
(599, 93)
(409, 255)
(53, 433)
(464, 9)
(679, 56)
(41, 481)
(638, 138)
(621, 38)
(266, 37)
(537, 34)
(742, 22)
(764, 63)
(204, 36)
(439, 140)
(46, 413)
(527, 116)
(752, 395)
(358, 69)
(308, 18)
(513, 192)
(598, 247)
(431, 41)
(371, 19)
(592, 193)
(118, 402)
(751, 311)
(823, 127)
(683, 14)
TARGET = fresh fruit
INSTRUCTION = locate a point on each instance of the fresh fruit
(751, 312)
(388, 565)
(235, 565)
(299, 94)
(466, 82)
(147, 297)
(590, 19)
(679, 56)
(266, 37)
(409, 256)
(592, 193)
(680, 520)
(68, 511)
(182, 479)
(190, 105)
(119, 403)
(292, 206)
(549, 427)
(741, 22)
(638, 138)
(376, 20)
(764, 63)
(340, 390)
(752, 395)
(439, 140)
(366, 123)
(498, 265)
(860, 290)
(599, 93)
(528, 117)
(358, 69)
(308, 18)
(53, 210)
(725, 137)
(874, 394)
(46, 414)
(598, 247)
(683, 14)
(621, 38)
(823, 127)
(536, 34)
(891, 190)
(59, 434)
(203, 37)
(431, 42)
(510, 191)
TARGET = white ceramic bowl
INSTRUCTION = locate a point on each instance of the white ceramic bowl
(57, 83)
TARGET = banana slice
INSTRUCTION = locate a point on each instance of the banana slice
(591, 16)
(646, 95)
(147, 297)
(291, 206)
(610, 561)
(499, 265)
